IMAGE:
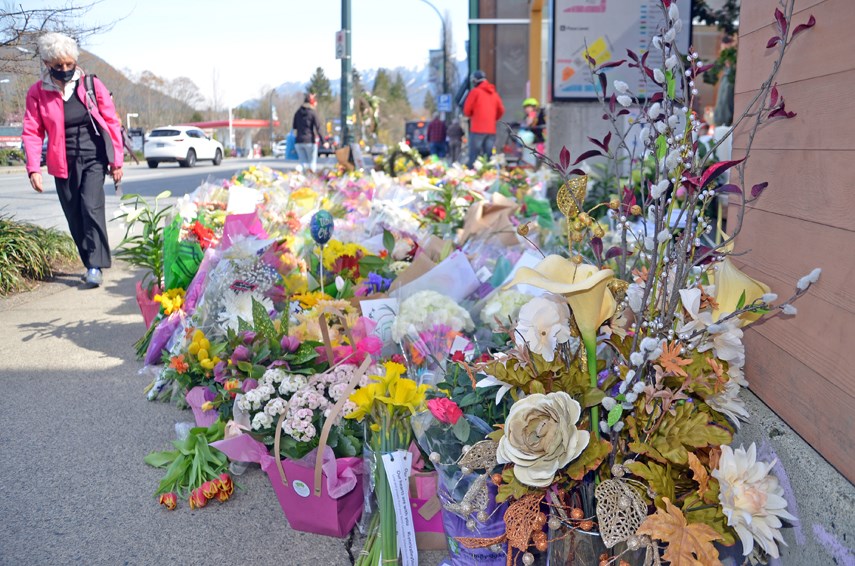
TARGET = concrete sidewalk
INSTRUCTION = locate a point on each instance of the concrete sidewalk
(76, 427)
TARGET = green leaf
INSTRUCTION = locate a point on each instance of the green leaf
(741, 302)
(708, 515)
(243, 325)
(161, 459)
(467, 400)
(671, 84)
(614, 415)
(511, 486)
(661, 147)
(687, 427)
(593, 396)
(461, 430)
(388, 241)
(245, 367)
(305, 353)
(590, 458)
(658, 477)
(261, 319)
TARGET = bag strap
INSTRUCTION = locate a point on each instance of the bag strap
(333, 416)
(325, 332)
(276, 456)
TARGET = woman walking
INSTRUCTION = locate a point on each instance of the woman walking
(84, 143)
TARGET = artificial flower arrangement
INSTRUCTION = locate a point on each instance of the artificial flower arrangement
(626, 374)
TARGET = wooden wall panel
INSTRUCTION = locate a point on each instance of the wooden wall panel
(756, 14)
(802, 60)
(801, 367)
(817, 410)
(823, 106)
(818, 193)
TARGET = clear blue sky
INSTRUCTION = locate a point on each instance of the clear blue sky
(254, 45)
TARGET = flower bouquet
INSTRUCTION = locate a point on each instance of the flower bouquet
(194, 470)
(467, 497)
(386, 404)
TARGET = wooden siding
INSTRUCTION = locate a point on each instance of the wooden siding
(801, 367)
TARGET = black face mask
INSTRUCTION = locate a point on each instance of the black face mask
(63, 76)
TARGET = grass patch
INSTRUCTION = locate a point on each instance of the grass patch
(29, 253)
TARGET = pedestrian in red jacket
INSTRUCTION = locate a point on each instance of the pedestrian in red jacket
(484, 107)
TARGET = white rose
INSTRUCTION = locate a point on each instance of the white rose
(541, 437)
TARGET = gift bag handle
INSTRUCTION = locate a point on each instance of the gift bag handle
(325, 332)
(276, 456)
(334, 412)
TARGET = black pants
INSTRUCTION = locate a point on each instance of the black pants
(82, 200)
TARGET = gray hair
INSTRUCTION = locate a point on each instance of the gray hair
(53, 46)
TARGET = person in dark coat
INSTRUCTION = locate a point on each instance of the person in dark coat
(436, 134)
(455, 141)
(307, 132)
(484, 107)
(84, 144)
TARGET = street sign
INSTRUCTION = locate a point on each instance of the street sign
(443, 103)
(339, 44)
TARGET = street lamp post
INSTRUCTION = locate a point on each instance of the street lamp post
(128, 117)
(444, 48)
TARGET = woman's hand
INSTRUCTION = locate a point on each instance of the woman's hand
(36, 182)
(117, 174)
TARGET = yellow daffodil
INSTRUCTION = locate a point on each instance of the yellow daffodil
(363, 398)
(730, 284)
(585, 287)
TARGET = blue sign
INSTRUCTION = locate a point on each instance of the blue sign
(443, 103)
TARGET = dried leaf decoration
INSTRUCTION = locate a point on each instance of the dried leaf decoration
(688, 544)
(699, 474)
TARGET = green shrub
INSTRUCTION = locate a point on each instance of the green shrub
(30, 253)
(9, 156)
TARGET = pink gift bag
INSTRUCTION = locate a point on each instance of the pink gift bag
(332, 510)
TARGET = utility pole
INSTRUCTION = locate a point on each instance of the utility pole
(444, 48)
(346, 71)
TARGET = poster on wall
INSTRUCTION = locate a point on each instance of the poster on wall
(609, 28)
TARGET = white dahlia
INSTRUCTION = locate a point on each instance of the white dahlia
(751, 499)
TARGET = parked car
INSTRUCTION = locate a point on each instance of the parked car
(184, 144)
(279, 148)
(415, 134)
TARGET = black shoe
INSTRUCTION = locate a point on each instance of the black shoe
(93, 277)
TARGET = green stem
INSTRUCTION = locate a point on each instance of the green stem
(591, 352)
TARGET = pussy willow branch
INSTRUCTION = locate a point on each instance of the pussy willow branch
(757, 112)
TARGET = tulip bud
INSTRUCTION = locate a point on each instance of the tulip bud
(207, 406)
(198, 499)
(210, 488)
(169, 500)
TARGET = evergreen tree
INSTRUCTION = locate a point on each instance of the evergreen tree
(382, 84)
(429, 103)
(398, 92)
(319, 85)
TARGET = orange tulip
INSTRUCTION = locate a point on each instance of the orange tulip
(210, 488)
(198, 499)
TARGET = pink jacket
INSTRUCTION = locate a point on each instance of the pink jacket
(45, 114)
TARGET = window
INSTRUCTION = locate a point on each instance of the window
(163, 133)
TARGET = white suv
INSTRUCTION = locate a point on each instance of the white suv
(184, 144)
